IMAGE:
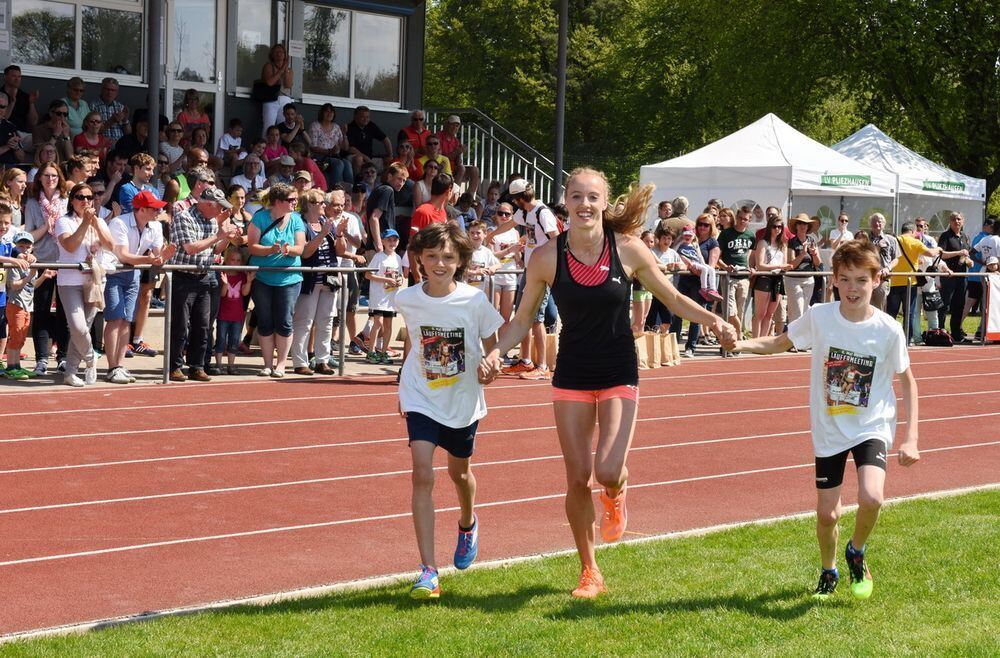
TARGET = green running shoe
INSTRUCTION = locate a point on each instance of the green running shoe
(861, 577)
(827, 585)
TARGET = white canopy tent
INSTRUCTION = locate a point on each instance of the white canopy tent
(769, 163)
(924, 188)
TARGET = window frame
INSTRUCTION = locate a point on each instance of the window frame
(88, 75)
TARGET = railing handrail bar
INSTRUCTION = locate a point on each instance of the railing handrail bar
(492, 123)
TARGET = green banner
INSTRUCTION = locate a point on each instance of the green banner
(845, 180)
(944, 186)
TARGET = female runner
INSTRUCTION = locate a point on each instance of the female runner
(588, 269)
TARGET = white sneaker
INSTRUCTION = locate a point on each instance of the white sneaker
(62, 366)
(688, 353)
(73, 380)
(131, 377)
(264, 372)
(119, 376)
(90, 373)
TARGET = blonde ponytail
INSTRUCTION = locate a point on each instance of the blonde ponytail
(628, 212)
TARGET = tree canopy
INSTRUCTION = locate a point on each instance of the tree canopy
(650, 79)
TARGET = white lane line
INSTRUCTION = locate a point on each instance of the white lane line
(375, 380)
(364, 476)
(198, 428)
(399, 515)
(316, 398)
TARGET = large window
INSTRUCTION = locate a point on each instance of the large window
(194, 41)
(352, 54)
(259, 25)
(44, 33)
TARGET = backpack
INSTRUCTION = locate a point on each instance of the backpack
(560, 225)
(937, 338)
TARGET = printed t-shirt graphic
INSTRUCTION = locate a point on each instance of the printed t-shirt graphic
(442, 355)
(848, 381)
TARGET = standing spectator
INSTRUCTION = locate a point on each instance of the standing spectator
(488, 209)
(679, 220)
(197, 235)
(138, 240)
(196, 180)
(143, 167)
(232, 310)
(22, 112)
(772, 260)
(416, 133)
(193, 115)
(362, 134)
(20, 295)
(276, 238)
(316, 307)
(381, 208)
(911, 250)
(432, 211)
(11, 151)
(803, 256)
(669, 263)
(113, 113)
(888, 250)
(455, 151)
(955, 248)
(351, 230)
(81, 237)
(664, 210)
(736, 243)
(78, 108)
(328, 145)
(841, 234)
(47, 204)
(54, 128)
(15, 183)
(386, 281)
(974, 284)
(277, 72)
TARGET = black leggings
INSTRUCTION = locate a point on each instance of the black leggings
(47, 325)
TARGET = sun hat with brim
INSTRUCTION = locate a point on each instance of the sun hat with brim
(803, 218)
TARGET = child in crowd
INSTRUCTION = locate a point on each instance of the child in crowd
(691, 256)
(20, 294)
(385, 281)
(451, 325)
(670, 263)
(232, 310)
(6, 256)
(856, 350)
(641, 298)
(483, 263)
(466, 210)
(274, 149)
(230, 149)
(487, 211)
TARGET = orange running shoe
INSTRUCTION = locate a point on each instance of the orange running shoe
(517, 368)
(615, 516)
(536, 374)
(591, 584)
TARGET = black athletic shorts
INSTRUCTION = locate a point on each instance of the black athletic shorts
(974, 289)
(830, 470)
(458, 442)
(3, 321)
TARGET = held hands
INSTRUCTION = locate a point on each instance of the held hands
(726, 334)
(489, 368)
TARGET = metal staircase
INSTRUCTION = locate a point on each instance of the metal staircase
(497, 152)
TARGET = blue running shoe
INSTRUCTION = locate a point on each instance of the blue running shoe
(468, 545)
(427, 585)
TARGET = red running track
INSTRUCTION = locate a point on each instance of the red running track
(113, 505)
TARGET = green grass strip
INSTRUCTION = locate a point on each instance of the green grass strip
(739, 592)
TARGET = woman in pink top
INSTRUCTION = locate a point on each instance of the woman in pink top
(193, 116)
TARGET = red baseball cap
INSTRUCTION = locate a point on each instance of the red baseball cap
(147, 199)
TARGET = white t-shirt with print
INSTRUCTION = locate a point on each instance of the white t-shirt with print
(540, 222)
(483, 257)
(381, 296)
(439, 377)
(851, 399)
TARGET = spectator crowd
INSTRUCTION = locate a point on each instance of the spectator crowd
(79, 187)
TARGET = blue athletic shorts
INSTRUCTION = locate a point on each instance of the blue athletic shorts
(458, 442)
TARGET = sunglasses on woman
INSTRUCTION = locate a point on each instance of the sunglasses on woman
(83, 197)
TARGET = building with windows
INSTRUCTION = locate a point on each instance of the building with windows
(343, 52)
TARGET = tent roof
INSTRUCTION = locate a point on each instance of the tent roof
(917, 174)
(771, 144)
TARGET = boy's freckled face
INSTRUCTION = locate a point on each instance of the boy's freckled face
(855, 285)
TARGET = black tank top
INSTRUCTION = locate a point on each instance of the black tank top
(596, 348)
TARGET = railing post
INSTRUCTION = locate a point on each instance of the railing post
(345, 293)
(168, 295)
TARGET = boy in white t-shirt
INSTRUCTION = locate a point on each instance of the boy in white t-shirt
(450, 326)
(386, 280)
(484, 262)
(856, 350)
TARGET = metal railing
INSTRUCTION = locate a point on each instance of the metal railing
(497, 152)
(169, 270)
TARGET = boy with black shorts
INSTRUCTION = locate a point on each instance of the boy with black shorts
(856, 350)
(450, 326)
